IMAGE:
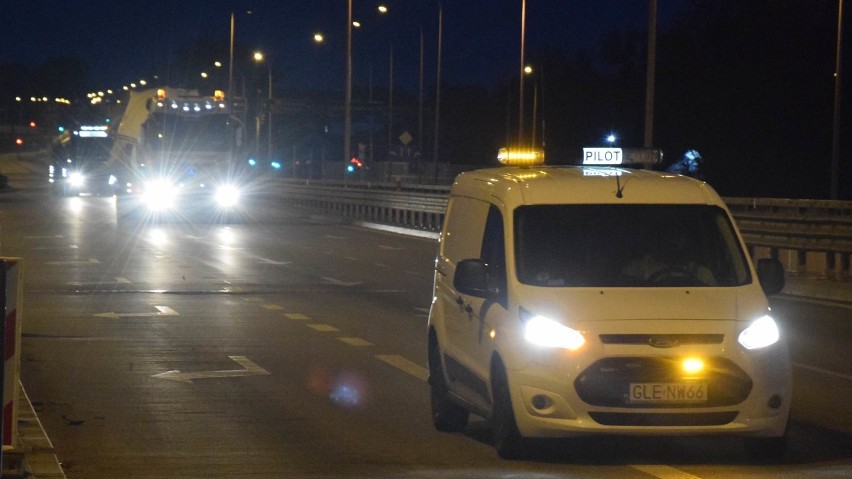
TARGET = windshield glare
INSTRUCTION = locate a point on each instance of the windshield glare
(627, 246)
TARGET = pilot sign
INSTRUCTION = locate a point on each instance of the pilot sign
(602, 156)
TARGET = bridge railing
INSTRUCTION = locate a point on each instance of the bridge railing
(810, 236)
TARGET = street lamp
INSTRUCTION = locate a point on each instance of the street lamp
(347, 101)
(259, 57)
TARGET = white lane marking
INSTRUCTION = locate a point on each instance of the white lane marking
(249, 369)
(44, 237)
(73, 246)
(335, 237)
(823, 371)
(83, 261)
(252, 299)
(272, 261)
(272, 307)
(664, 472)
(405, 365)
(162, 311)
(351, 258)
(323, 328)
(297, 316)
(338, 282)
(391, 248)
(800, 299)
(118, 280)
(357, 342)
(380, 265)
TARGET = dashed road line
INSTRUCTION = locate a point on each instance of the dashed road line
(405, 365)
(823, 371)
(357, 342)
(272, 307)
(297, 316)
(323, 328)
(664, 472)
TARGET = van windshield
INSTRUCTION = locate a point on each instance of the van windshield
(627, 246)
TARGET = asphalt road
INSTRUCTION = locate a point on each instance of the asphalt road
(288, 346)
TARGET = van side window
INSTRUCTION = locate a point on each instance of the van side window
(494, 251)
(463, 229)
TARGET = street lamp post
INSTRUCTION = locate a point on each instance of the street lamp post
(347, 101)
(835, 143)
(521, 76)
(259, 57)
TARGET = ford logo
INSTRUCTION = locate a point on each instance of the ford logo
(663, 341)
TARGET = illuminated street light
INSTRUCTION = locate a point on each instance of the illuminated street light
(204, 75)
(383, 9)
(319, 38)
(260, 57)
(611, 139)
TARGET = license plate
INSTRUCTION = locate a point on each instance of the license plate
(667, 392)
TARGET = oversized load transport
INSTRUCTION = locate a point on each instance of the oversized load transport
(177, 152)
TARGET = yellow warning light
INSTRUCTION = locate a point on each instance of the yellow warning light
(219, 94)
(161, 93)
(520, 156)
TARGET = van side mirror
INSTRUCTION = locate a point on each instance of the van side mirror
(770, 273)
(471, 278)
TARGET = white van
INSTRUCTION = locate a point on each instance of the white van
(603, 300)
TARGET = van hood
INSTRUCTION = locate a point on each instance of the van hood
(600, 304)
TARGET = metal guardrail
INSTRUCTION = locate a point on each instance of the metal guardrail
(803, 226)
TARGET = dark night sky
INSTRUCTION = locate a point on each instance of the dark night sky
(121, 40)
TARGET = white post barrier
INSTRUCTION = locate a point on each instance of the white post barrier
(12, 296)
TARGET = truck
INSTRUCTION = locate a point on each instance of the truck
(78, 164)
(179, 154)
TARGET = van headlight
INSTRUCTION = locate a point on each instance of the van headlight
(546, 332)
(227, 196)
(761, 333)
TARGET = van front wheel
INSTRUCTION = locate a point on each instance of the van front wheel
(507, 439)
(447, 416)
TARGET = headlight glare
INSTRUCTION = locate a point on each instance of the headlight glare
(160, 195)
(548, 333)
(761, 333)
(227, 196)
(76, 179)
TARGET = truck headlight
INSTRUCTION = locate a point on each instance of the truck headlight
(227, 196)
(160, 195)
(76, 179)
(548, 333)
(761, 333)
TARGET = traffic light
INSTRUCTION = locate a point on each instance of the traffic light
(354, 165)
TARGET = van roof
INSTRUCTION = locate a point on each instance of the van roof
(582, 185)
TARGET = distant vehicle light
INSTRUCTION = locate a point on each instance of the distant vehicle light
(227, 196)
(76, 179)
(275, 165)
(252, 162)
(160, 195)
(520, 156)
